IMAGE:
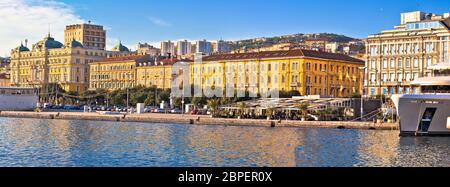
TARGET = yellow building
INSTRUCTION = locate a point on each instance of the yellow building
(306, 71)
(50, 61)
(116, 72)
(157, 74)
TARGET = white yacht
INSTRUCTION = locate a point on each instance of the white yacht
(426, 113)
(18, 99)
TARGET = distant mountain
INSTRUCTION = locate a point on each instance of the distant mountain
(294, 38)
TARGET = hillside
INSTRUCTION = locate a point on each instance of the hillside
(294, 38)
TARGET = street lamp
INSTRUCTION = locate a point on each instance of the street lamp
(363, 70)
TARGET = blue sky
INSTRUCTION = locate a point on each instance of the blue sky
(156, 20)
(151, 21)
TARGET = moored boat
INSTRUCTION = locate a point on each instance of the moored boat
(18, 99)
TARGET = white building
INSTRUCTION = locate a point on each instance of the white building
(183, 47)
(399, 56)
(221, 47)
(167, 47)
(203, 46)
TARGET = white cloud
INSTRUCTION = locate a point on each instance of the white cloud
(159, 22)
(31, 19)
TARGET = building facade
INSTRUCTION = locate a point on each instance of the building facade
(89, 35)
(221, 46)
(50, 61)
(308, 72)
(396, 57)
(158, 74)
(167, 47)
(203, 46)
(116, 72)
(183, 48)
(147, 49)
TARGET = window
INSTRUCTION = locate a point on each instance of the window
(392, 76)
(429, 63)
(408, 63)
(408, 76)
(392, 63)
(400, 77)
(416, 62)
(372, 77)
(415, 76)
(428, 47)
(385, 64)
(399, 63)
(385, 77)
(373, 64)
(416, 48)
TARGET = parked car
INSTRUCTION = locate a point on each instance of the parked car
(47, 105)
(70, 107)
(158, 110)
(176, 111)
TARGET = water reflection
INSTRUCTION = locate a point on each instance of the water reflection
(31, 142)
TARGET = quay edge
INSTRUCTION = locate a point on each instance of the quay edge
(198, 120)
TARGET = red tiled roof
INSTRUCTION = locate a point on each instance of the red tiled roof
(166, 62)
(282, 54)
(125, 58)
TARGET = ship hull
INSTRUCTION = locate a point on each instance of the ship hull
(423, 115)
(18, 102)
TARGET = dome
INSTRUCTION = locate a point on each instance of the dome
(121, 48)
(49, 43)
(21, 48)
(74, 44)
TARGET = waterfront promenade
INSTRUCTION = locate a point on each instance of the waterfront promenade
(197, 120)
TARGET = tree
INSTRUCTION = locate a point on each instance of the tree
(198, 101)
(150, 99)
(213, 105)
(303, 107)
(242, 106)
(138, 97)
(270, 112)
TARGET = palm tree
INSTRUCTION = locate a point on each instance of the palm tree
(242, 107)
(269, 112)
(303, 107)
(213, 104)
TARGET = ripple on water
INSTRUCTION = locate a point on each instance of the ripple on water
(33, 142)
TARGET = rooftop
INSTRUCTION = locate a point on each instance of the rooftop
(282, 54)
(126, 58)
